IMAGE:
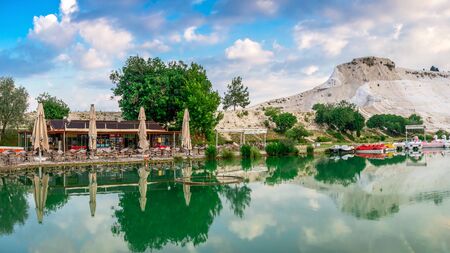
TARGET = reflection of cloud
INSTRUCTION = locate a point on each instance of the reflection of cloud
(314, 204)
(253, 226)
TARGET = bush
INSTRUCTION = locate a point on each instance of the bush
(245, 151)
(227, 154)
(211, 152)
(281, 148)
(284, 122)
(297, 134)
(336, 135)
(254, 153)
(310, 150)
(393, 124)
(323, 139)
(342, 116)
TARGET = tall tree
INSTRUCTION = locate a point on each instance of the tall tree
(54, 107)
(165, 90)
(236, 95)
(13, 104)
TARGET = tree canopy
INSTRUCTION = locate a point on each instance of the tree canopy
(13, 104)
(342, 116)
(54, 108)
(237, 95)
(283, 120)
(165, 90)
(393, 124)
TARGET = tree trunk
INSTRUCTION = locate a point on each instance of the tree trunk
(2, 134)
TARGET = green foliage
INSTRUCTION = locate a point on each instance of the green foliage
(310, 150)
(165, 90)
(272, 112)
(211, 152)
(342, 116)
(14, 206)
(236, 95)
(250, 152)
(323, 139)
(393, 124)
(54, 108)
(10, 138)
(13, 104)
(281, 148)
(338, 136)
(284, 121)
(298, 134)
(245, 151)
(227, 154)
(441, 132)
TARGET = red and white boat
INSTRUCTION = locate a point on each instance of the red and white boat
(371, 149)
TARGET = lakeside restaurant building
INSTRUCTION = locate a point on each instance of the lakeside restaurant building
(65, 135)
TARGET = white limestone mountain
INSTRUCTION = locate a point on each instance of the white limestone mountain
(376, 86)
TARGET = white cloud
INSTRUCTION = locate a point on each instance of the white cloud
(267, 6)
(67, 8)
(105, 38)
(191, 35)
(331, 42)
(397, 31)
(310, 70)
(50, 31)
(156, 45)
(91, 59)
(248, 51)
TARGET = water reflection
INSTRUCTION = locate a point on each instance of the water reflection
(13, 204)
(283, 202)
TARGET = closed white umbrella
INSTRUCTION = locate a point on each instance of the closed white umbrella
(143, 142)
(186, 132)
(143, 175)
(187, 173)
(40, 195)
(92, 129)
(39, 139)
(92, 192)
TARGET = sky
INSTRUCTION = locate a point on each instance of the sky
(279, 47)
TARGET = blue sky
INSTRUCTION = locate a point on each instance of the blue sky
(279, 47)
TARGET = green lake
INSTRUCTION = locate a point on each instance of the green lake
(350, 204)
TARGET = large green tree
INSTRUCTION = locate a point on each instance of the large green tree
(236, 95)
(54, 107)
(342, 116)
(165, 90)
(13, 104)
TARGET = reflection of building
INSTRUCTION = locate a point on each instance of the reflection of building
(66, 134)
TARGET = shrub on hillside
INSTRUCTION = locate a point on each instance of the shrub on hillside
(310, 150)
(245, 151)
(342, 116)
(298, 134)
(323, 139)
(393, 124)
(281, 148)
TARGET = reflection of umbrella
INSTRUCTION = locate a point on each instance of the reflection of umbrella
(92, 129)
(143, 142)
(185, 132)
(39, 139)
(40, 195)
(187, 173)
(143, 174)
(92, 192)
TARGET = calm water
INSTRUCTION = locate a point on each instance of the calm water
(398, 204)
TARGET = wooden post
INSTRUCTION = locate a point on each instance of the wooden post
(174, 139)
(243, 137)
(64, 141)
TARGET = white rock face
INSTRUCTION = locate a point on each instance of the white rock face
(377, 86)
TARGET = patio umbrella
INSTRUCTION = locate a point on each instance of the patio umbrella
(185, 132)
(92, 129)
(143, 175)
(187, 173)
(40, 195)
(143, 142)
(39, 139)
(92, 192)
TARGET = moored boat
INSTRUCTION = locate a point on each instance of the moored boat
(13, 149)
(371, 149)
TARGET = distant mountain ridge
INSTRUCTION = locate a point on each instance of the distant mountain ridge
(376, 85)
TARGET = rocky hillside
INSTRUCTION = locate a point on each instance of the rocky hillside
(377, 85)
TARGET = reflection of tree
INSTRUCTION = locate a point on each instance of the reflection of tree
(341, 171)
(239, 197)
(285, 168)
(167, 219)
(13, 205)
(55, 200)
(388, 161)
